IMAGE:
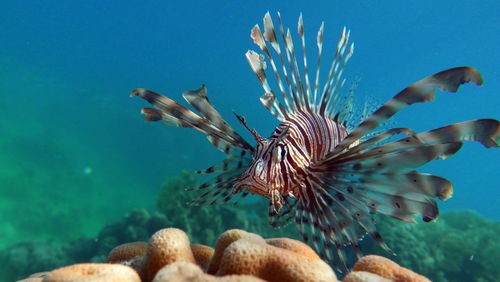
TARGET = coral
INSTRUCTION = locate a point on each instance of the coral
(127, 252)
(31, 279)
(239, 252)
(250, 216)
(387, 268)
(202, 254)
(294, 246)
(167, 246)
(460, 246)
(93, 272)
(35, 277)
(22, 259)
(363, 276)
(138, 225)
(225, 239)
(238, 256)
(194, 219)
(180, 271)
(185, 271)
(256, 257)
(131, 254)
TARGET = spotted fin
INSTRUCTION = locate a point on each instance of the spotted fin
(219, 189)
(333, 221)
(211, 123)
(421, 91)
(485, 131)
(298, 94)
(401, 200)
(220, 134)
(399, 161)
(285, 215)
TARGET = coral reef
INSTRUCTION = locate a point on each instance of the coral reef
(460, 246)
(186, 271)
(95, 271)
(238, 256)
(194, 220)
(126, 251)
(202, 254)
(363, 276)
(387, 268)
(255, 257)
(21, 259)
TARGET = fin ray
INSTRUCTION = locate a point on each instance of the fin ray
(421, 91)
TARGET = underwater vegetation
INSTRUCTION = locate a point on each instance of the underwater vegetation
(21, 259)
(203, 224)
(460, 246)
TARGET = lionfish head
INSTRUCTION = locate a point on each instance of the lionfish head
(264, 174)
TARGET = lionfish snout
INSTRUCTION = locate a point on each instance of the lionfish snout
(252, 181)
(260, 177)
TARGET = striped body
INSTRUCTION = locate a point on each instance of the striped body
(323, 168)
(281, 163)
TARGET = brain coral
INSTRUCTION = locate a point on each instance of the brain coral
(126, 252)
(93, 272)
(387, 268)
(239, 256)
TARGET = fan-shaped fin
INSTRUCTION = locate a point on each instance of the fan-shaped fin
(485, 131)
(421, 91)
(400, 161)
(175, 114)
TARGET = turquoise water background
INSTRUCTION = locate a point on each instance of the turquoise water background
(75, 153)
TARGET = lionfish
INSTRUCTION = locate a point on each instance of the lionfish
(317, 167)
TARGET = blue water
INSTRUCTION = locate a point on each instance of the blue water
(74, 145)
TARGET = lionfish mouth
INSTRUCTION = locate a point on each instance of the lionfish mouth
(254, 185)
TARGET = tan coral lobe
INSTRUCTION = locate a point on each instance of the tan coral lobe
(96, 272)
(224, 240)
(202, 254)
(363, 276)
(127, 252)
(167, 246)
(387, 268)
(185, 271)
(239, 256)
(272, 263)
(294, 246)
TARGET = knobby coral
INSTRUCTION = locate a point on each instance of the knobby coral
(239, 256)
(460, 246)
(388, 269)
(193, 219)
